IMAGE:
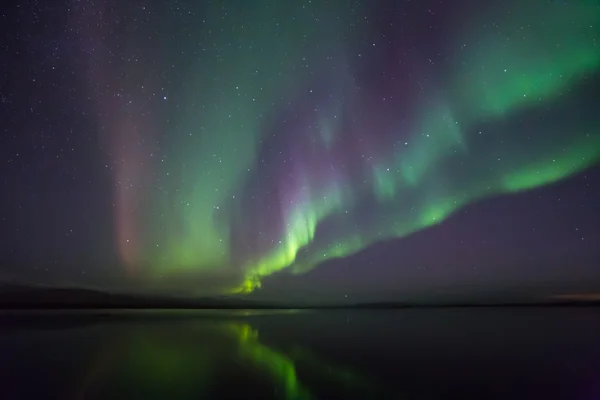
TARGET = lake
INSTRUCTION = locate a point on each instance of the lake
(479, 353)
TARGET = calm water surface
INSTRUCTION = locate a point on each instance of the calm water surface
(512, 353)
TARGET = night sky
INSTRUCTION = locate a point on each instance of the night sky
(321, 150)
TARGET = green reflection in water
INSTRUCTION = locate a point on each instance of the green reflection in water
(206, 359)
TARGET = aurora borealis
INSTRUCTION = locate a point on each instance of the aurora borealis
(229, 142)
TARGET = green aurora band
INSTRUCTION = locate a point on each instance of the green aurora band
(497, 119)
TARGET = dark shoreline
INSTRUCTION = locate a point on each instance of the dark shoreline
(240, 306)
(15, 297)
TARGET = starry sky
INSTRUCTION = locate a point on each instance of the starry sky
(319, 150)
